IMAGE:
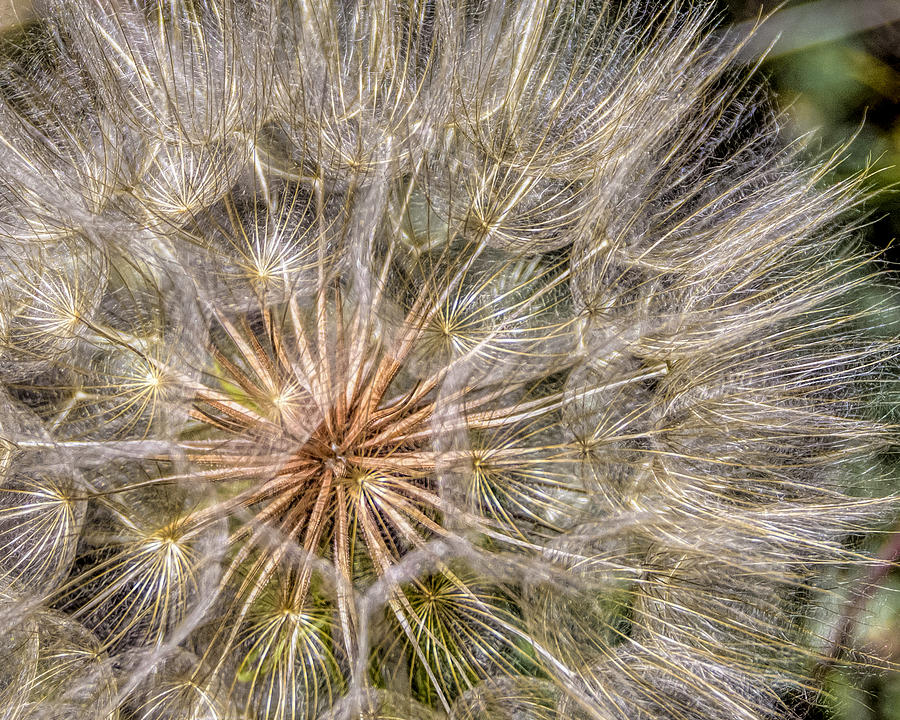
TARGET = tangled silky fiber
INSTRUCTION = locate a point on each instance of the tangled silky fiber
(418, 359)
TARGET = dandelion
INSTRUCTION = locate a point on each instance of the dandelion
(420, 360)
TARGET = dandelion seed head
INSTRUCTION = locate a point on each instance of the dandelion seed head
(421, 359)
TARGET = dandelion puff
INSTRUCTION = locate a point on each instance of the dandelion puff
(257, 240)
(41, 513)
(72, 673)
(422, 360)
(178, 179)
(504, 698)
(174, 690)
(49, 293)
(176, 71)
(20, 649)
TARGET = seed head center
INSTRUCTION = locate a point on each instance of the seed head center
(336, 461)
